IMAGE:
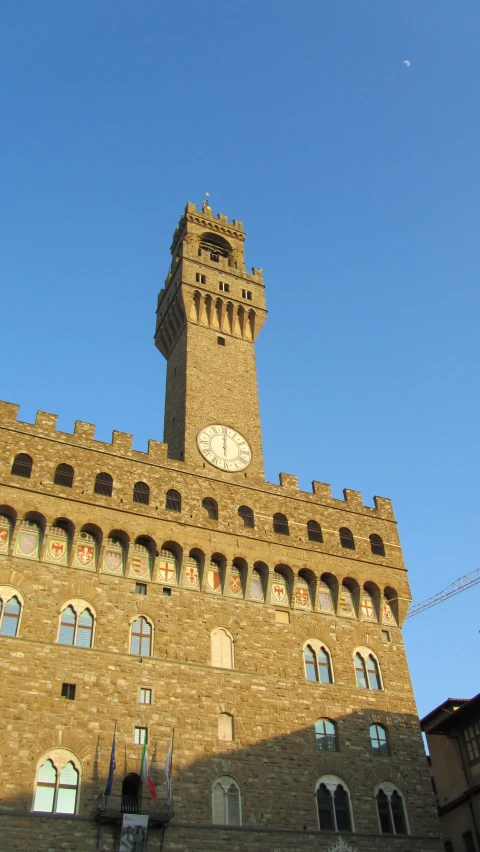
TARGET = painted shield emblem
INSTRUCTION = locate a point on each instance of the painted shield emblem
(85, 554)
(325, 598)
(113, 562)
(302, 598)
(388, 617)
(27, 544)
(256, 587)
(235, 584)
(4, 536)
(167, 572)
(191, 577)
(57, 550)
(140, 565)
(214, 581)
(279, 593)
(346, 603)
(368, 609)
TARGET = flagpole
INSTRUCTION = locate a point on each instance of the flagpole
(171, 765)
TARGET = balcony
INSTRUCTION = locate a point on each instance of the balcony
(111, 808)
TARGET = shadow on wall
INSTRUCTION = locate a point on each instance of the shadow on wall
(346, 772)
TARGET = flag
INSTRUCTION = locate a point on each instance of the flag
(145, 773)
(113, 765)
(168, 769)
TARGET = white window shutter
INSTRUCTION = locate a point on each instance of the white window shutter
(217, 649)
(225, 727)
(227, 651)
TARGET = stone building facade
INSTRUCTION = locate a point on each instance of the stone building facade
(176, 589)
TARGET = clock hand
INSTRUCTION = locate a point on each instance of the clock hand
(225, 445)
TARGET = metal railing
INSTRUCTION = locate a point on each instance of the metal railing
(113, 807)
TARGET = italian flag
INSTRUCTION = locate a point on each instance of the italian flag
(145, 774)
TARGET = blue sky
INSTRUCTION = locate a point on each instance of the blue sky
(357, 180)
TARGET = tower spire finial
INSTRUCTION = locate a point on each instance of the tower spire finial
(206, 206)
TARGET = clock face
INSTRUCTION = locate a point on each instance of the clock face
(224, 447)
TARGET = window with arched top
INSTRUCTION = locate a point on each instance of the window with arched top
(225, 727)
(376, 545)
(318, 667)
(280, 524)
(346, 538)
(173, 500)
(103, 484)
(325, 735)
(222, 649)
(22, 465)
(333, 804)
(57, 785)
(378, 740)
(391, 809)
(367, 670)
(247, 516)
(314, 531)
(226, 801)
(141, 493)
(211, 507)
(76, 626)
(10, 611)
(141, 637)
(64, 475)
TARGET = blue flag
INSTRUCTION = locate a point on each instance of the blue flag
(113, 766)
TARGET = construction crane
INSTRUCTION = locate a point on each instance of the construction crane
(458, 586)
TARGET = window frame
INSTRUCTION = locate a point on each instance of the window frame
(173, 500)
(383, 748)
(247, 515)
(314, 532)
(365, 654)
(7, 594)
(331, 782)
(104, 488)
(347, 539)
(325, 736)
(280, 524)
(221, 781)
(79, 606)
(21, 467)
(211, 507)
(388, 789)
(141, 636)
(68, 474)
(316, 646)
(59, 758)
(376, 541)
(142, 493)
(216, 631)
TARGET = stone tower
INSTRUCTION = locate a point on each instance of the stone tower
(208, 318)
(176, 589)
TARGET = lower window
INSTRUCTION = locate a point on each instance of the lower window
(226, 802)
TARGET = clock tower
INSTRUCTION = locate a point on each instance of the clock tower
(208, 317)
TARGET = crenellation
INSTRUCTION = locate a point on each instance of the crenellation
(45, 422)
(289, 481)
(84, 431)
(122, 442)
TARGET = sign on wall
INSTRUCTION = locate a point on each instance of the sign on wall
(134, 833)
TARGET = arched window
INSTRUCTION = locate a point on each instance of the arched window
(226, 802)
(377, 546)
(141, 637)
(211, 508)
(333, 802)
(378, 740)
(10, 609)
(76, 626)
(346, 538)
(246, 514)
(141, 493)
(22, 465)
(225, 727)
(56, 790)
(103, 484)
(63, 475)
(314, 531)
(325, 735)
(222, 649)
(367, 671)
(173, 501)
(317, 664)
(280, 524)
(391, 809)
